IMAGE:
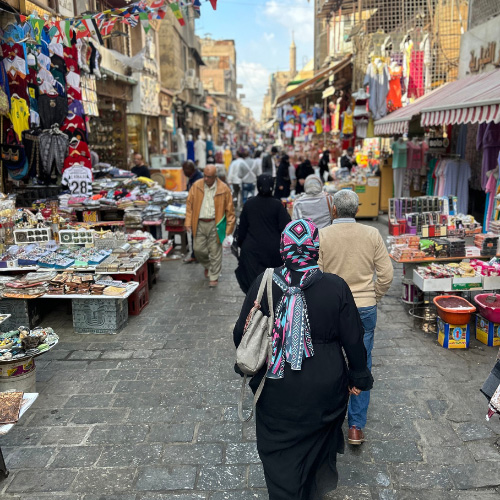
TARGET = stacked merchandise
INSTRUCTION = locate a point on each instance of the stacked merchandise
(152, 213)
(70, 284)
(456, 247)
(487, 243)
(24, 343)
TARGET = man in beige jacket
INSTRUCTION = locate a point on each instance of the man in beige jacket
(356, 252)
(208, 202)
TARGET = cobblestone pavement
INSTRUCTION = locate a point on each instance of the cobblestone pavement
(151, 413)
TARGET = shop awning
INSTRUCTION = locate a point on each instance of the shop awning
(398, 121)
(198, 108)
(269, 124)
(474, 99)
(304, 87)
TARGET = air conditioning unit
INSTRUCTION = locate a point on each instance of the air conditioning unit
(190, 82)
(199, 90)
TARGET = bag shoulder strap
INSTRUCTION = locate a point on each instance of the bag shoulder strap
(262, 285)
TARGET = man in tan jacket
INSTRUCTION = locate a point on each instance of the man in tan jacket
(209, 208)
(356, 252)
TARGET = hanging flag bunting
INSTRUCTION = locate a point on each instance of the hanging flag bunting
(91, 25)
(130, 19)
(81, 30)
(63, 33)
(37, 25)
(161, 14)
(197, 7)
(177, 13)
(214, 4)
(106, 26)
(144, 17)
(157, 4)
(22, 18)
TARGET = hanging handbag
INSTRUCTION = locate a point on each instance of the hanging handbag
(256, 344)
(4, 103)
(14, 156)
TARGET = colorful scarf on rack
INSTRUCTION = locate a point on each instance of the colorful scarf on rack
(291, 333)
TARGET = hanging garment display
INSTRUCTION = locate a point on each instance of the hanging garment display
(488, 140)
(416, 76)
(394, 96)
(377, 79)
(53, 150)
(347, 124)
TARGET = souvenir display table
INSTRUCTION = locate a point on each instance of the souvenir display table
(27, 400)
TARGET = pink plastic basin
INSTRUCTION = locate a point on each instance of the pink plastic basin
(488, 310)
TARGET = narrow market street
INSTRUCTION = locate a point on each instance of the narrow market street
(151, 412)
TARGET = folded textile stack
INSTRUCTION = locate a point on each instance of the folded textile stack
(133, 217)
(152, 213)
(175, 211)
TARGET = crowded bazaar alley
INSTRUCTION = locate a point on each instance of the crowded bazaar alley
(151, 413)
(249, 249)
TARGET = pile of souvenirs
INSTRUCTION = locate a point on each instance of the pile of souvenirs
(411, 247)
(37, 284)
(25, 343)
(463, 269)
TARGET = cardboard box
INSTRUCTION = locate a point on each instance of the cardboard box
(487, 332)
(470, 283)
(432, 285)
(453, 336)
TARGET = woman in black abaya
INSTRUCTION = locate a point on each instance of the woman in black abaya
(303, 405)
(262, 220)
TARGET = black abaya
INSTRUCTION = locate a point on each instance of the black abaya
(299, 418)
(304, 170)
(262, 221)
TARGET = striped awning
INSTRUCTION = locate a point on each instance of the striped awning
(398, 121)
(475, 99)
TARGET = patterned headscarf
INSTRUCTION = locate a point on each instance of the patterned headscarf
(291, 333)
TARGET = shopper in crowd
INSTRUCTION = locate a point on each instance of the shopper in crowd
(233, 179)
(314, 204)
(283, 181)
(193, 175)
(356, 253)
(248, 172)
(191, 172)
(262, 221)
(210, 158)
(269, 163)
(304, 170)
(348, 160)
(324, 166)
(139, 168)
(209, 210)
(303, 403)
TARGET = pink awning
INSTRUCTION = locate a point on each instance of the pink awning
(474, 99)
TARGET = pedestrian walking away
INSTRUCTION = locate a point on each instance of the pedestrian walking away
(283, 180)
(314, 204)
(304, 170)
(210, 217)
(356, 252)
(269, 163)
(248, 171)
(262, 221)
(233, 178)
(300, 412)
(193, 175)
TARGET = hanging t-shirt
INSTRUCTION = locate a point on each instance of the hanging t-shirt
(15, 65)
(19, 115)
(414, 156)
(77, 160)
(47, 82)
(289, 128)
(78, 179)
(400, 154)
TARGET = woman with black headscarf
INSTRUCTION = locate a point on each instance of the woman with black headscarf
(262, 220)
(324, 166)
(283, 180)
(304, 170)
(304, 400)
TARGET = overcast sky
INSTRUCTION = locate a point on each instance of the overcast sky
(262, 30)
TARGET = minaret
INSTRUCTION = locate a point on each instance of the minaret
(293, 58)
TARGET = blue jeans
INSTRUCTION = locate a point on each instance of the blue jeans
(358, 405)
(248, 190)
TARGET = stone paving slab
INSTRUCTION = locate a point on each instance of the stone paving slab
(150, 414)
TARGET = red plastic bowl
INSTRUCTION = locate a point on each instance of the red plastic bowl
(448, 312)
(488, 310)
